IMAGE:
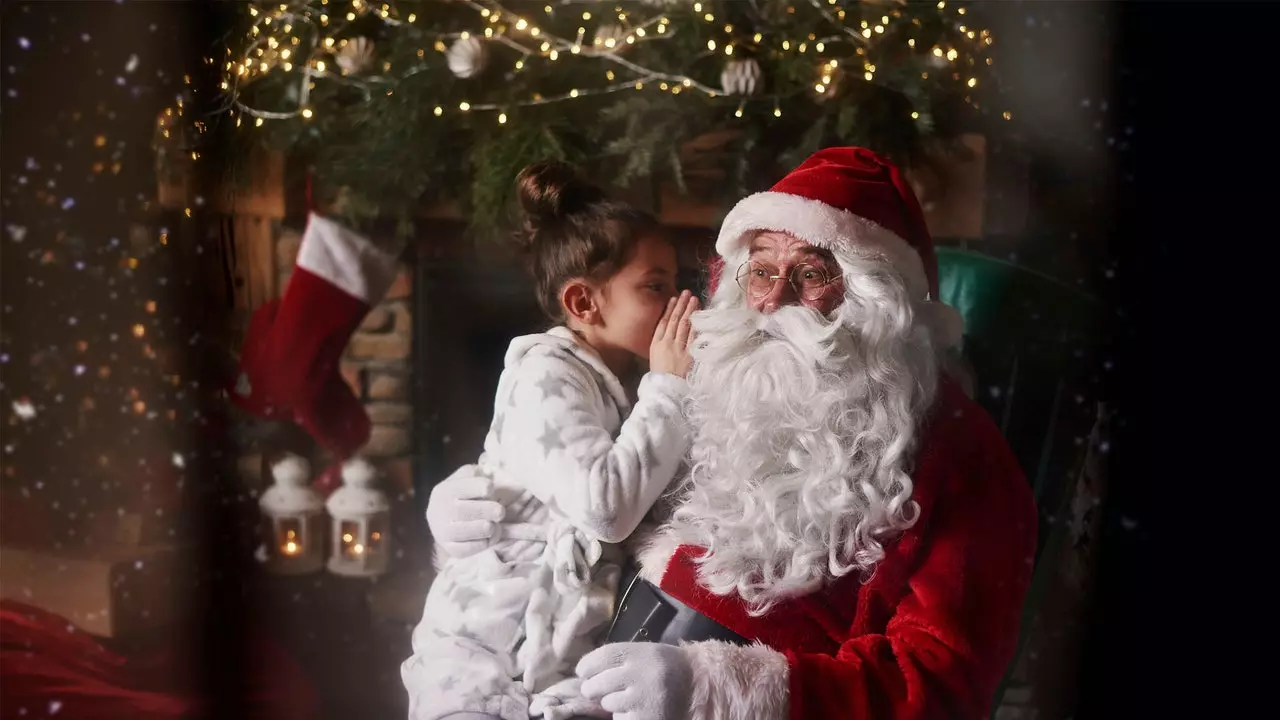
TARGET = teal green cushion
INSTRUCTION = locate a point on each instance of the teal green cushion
(1032, 344)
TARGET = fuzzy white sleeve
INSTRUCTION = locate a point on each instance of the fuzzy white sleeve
(554, 437)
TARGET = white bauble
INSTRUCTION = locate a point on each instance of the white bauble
(356, 56)
(607, 33)
(741, 77)
(467, 57)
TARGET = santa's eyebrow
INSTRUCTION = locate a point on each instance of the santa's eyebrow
(811, 250)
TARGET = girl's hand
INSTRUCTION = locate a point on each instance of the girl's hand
(669, 351)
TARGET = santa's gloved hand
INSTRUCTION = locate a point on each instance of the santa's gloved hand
(461, 514)
(638, 681)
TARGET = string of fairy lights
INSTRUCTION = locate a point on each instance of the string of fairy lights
(314, 43)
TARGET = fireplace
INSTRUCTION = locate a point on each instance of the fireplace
(468, 302)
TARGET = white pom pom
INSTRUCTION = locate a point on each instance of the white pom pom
(946, 323)
(358, 473)
(293, 471)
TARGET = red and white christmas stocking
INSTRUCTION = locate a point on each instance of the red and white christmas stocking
(289, 365)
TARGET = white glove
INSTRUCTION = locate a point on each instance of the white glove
(639, 681)
(461, 514)
(564, 701)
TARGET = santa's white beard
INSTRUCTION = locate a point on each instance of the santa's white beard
(805, 429)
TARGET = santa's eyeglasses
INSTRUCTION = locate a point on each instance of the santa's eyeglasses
(757, 279)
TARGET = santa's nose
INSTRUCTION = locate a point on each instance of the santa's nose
(780, 295)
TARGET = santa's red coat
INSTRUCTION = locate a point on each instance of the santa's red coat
(929, 636)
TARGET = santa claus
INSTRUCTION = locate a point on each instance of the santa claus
(854, 538)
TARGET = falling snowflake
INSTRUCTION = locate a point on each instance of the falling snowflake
(178, 460)
(24, 409)
(132, 64)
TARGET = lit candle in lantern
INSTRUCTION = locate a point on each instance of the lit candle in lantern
(291, 546)
(293, 520)
(360, 515)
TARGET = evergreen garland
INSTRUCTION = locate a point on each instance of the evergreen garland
(397, 126)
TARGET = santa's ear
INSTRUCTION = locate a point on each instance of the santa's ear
(579, 302)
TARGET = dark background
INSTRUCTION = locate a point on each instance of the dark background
(1183, 623)
(1184, 610)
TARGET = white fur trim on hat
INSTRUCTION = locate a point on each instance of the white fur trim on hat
(346, 259)
(818, 223)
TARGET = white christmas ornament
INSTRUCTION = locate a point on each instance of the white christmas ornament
(610, 37)
(740, 77)
(467, 57)
(360, 515)
(293, 541)
(356, 56)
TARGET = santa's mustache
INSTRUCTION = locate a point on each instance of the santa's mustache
(730, 333)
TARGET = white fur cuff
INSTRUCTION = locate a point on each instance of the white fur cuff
(346, 259)
(732, 682)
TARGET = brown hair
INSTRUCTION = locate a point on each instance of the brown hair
(572, 230)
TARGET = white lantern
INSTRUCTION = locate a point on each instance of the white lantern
(294, 520)
(361, 516)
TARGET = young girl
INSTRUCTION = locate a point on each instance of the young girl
(575, 464)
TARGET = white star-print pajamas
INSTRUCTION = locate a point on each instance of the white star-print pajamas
(577, 468)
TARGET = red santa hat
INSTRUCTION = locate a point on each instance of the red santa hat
(852, 202)
(289, 364)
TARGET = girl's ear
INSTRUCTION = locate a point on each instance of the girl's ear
(579, 303)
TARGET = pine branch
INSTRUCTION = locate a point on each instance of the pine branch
(398, 126)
